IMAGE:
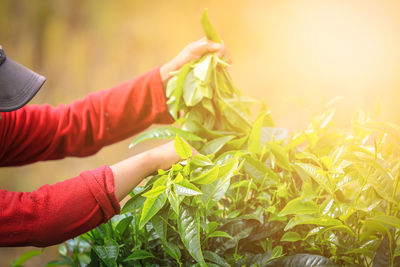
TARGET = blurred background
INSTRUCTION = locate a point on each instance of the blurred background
(296, 55)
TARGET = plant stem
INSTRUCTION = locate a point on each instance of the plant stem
(396, 182)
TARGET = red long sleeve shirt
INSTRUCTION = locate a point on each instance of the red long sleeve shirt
(55, 213)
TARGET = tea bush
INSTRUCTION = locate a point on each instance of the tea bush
(254, 196)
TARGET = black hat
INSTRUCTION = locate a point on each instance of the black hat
(18, 84)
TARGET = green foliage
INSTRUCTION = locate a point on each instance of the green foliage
(182, 148)
(139, 255)
(108, 252)
(256, 196)
(25, 257)
(164, 132)
(189, 231)
(209, 30)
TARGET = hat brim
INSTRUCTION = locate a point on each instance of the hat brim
(18, 85)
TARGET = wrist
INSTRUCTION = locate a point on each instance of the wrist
(164, 156)
(165, 71)
(154, 159)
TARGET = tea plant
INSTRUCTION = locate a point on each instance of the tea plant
(254, 196)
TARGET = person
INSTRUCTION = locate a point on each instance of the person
(30, 133)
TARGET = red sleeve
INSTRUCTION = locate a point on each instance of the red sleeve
(35, 133)
(55, 213)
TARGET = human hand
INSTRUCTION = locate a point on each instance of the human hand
(130, 172)
(167, 155)
(191, 52)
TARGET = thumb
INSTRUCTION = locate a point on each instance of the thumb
(212, 46)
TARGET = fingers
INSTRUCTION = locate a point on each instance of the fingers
(221, 52)
(204, 46)
(224, 53)
(213, 47)
(191, 52)
(210, 46)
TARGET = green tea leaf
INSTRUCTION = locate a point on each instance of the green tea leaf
(150, 207)
(387, 220)
(191, 90)
(202, 70)
(296, 140)
(299, 206)
(177, 93)
(258, 171)
(215, 145)
(302, 174)
(174, 201)
(291, 237)
(281, 155)
(207, 177)
(303, 260)
(215, 258)
(318, 175)
(217, 189)
(307, 219)
(108, 253)
(383, 184)
(207, 92)
(341, 228)
(212, 226)
(244, 183)
(236, 117)
(238, 143)
(276, 252)
(201, 160)
(154, 192)
(25, 257)
(255, 145)
(172, 250)
(171, 86)
(123, 225)
(219, 234)
(160, 226)
(208, 29)
(183, 150)
(227, 170)
(67, 261)
(62, 249)
(207, 103)
(185, 188)
(139, 255)
(164, 132)
(238, 229)
(189, 232)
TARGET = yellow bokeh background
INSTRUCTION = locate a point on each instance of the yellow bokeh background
(296, 55)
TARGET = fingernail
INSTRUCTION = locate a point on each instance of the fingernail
(216, 46)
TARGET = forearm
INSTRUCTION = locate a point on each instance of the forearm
(130, 172)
